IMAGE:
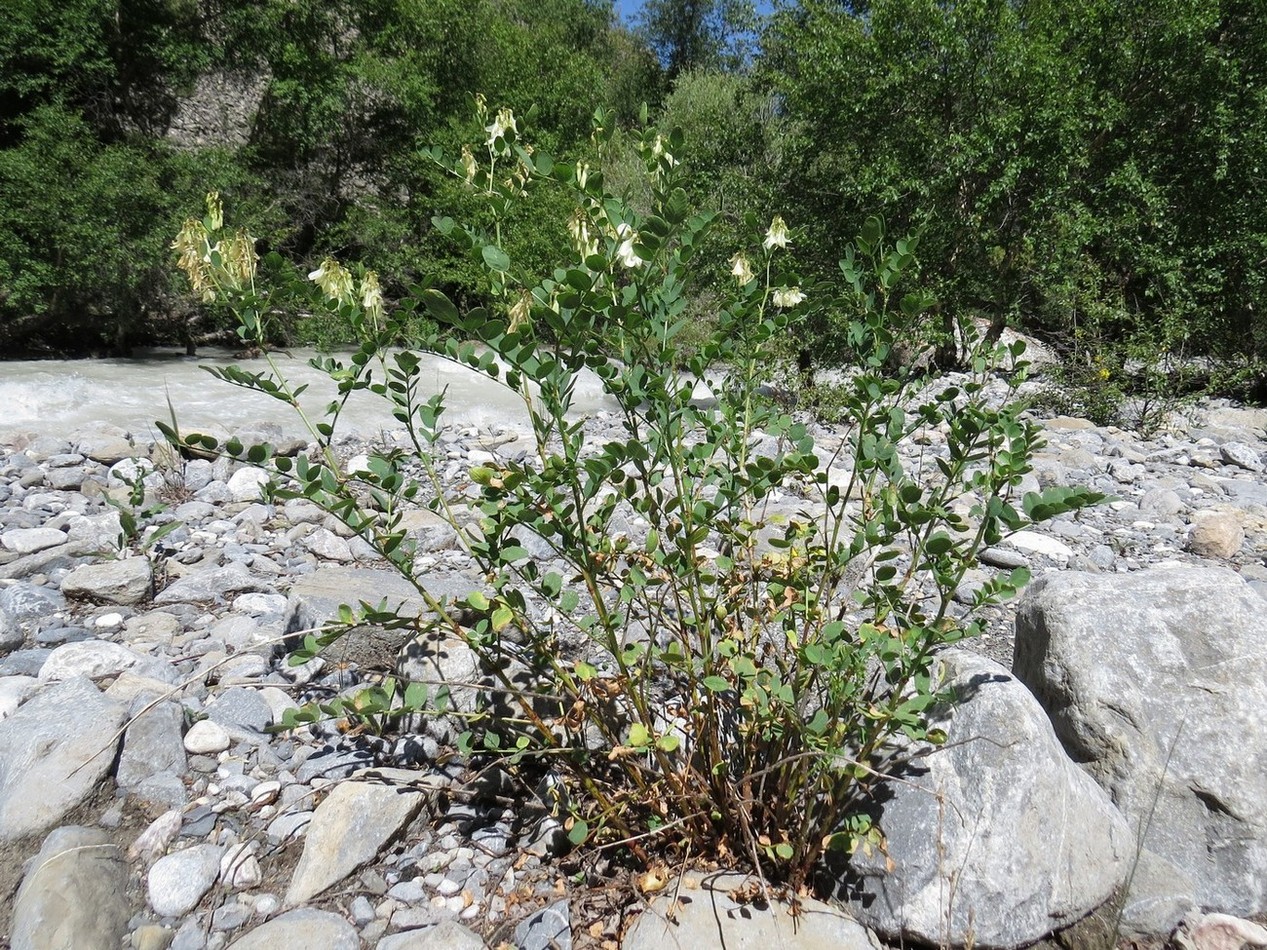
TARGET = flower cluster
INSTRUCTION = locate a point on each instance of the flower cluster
(776, 236)
(227, 265)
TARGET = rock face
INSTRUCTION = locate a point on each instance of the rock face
(1156, 681)
(53, 751)
(348, 829)
(72, 894)
(995, 840)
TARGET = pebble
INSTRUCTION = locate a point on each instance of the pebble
(206, 737)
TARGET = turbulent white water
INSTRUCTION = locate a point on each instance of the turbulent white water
(59, 397)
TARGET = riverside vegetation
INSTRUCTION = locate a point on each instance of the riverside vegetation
(730, 681)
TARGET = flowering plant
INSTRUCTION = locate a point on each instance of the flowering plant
(724, 626)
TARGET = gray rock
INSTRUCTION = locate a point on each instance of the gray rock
(212, 585)
(152, 744)
(347, 831)
(108, 448)
(997, 839)
(315, 599)
(178, 881)
(11, 636)
(1002, 557)
(307, 928)
(111, 582)
(30, 540)
(198, 475)
(162, 790)
(241, 707)
(73, 894)
(95, 659)
(27, 604)
(1160, 503)
(1241, 455)
(1156, 682)
(445, 935)
(548, 929)
(707, 916)
(24, 662)
(53, 752)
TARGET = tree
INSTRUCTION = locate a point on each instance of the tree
(699, 34)
(1069, 164)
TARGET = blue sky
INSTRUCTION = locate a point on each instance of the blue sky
(627, 8)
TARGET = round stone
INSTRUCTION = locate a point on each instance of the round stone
(178, 881)
(206, 738)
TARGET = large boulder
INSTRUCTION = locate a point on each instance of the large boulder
(994, 840)
(73, 894)
(1156, 682)
(53, 752)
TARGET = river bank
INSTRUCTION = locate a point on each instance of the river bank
(138, 694)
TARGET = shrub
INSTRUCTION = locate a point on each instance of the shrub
(722, 633)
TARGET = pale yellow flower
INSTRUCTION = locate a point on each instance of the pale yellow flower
(521, 312)
(582, 174)
(741, 269)
(194, 258)
(372, 296)
(788, 296)
(777, 235)
(334, 280)
(505, 122)
(468, 164)
(238, 259)
(215, 210)
(659, 150)
(583, 240)
(625, 253)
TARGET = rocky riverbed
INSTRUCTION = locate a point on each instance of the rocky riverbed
(145, 803)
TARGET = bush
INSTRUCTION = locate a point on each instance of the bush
(720, 634)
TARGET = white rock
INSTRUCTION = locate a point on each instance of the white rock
(14, 691)
(325, 543)
(177, 882)
(95, 659)
(30, 540)
(151, 843)
(245, 483)
(206, 738)
(258, 605)
(240, 868)
(1035, 543)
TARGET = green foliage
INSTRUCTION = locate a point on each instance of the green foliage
(1085, 168)
(706, 35)
(736, 672)
(84, 230)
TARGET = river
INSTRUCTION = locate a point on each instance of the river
(60, 397)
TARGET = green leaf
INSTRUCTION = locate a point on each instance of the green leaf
(477, 601)
(496, 258)
(440, 307)
(716, 684)
(579, 832)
